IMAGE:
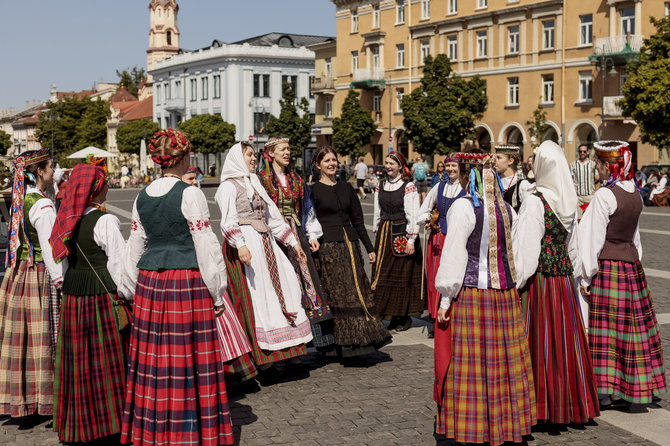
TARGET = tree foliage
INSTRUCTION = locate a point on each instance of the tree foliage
(645, 93)
(72, 124)
(537, 126)
(5, 142)
(208, 133)
(441, 112)
(290, 123)
(354, 128)
(129, 136)
(130, 79)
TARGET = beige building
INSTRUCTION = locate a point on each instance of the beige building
(555, 54)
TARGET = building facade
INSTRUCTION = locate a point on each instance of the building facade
(564, 56)
(241, 81)
(323, 88)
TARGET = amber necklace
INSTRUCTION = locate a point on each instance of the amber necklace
(98, 206)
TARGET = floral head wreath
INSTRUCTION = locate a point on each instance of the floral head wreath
(274, 142)
(179, 142)
(508, 149)
(452, 158)
(621, 170)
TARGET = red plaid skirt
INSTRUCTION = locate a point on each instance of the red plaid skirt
(176, 391)
(565, 387)
(488, 394)
(623, 333)
(90, 370)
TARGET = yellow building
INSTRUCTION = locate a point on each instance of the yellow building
(556, 54)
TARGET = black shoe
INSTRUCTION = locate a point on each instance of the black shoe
(620, 405)
(431, 335)
(405, 324)
(393, 324)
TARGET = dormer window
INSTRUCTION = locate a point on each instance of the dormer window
(285, 41)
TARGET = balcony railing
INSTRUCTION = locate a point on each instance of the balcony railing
(610, 107)
(323, 83)
(617, 44)
(369, 78)
(174, 104)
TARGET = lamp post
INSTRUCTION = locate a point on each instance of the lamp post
(604, 62)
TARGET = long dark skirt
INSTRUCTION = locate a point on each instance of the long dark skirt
(396, 280)
(358, 328)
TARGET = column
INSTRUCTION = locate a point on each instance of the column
(612, 20)
(638, 17)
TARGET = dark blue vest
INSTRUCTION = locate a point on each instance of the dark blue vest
(443, 205)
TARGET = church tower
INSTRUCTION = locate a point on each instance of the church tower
(163, 33)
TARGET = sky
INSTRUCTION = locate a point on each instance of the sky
(76, 43)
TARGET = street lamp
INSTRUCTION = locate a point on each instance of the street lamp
(604, 62)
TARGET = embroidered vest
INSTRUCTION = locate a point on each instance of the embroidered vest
(621, 228)
(286, 205)
(23, 254)
(554, 258)
(252, 214)
(392, 204)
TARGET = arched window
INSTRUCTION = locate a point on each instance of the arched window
(169, 37)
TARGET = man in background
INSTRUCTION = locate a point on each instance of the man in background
(361, 170)
(584, 175)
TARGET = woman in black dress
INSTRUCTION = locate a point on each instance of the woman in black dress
(357, 327)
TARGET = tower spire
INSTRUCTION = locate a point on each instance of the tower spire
(163, 33)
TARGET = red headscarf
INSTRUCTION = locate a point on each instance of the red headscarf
(85, 182)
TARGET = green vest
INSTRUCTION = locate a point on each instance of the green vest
(23, 254)
(169, 241)
(287, 206)
(82, 279)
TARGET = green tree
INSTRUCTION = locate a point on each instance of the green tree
(537, 126)
(209, 133)
(129, 135)
(130, 79)
(354, 128)
(290, 124)
(5, 142)
(441, 112)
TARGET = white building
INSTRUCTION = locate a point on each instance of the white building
(241, 81)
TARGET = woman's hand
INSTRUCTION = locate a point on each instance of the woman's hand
(373, 257)
(442, 317)
(586, 291)
(218, 310)
(300, 253)
(245, 255)
(314, 245)
(410, 248)
(428, 223)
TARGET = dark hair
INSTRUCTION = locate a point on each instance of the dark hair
(321, 153)
(32, 169)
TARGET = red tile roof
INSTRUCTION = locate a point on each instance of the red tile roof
(143, 109)
(122, 95)
(75, 94)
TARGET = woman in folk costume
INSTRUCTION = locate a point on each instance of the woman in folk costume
(483, 370)
(29, 308)
(623, 332)
(176, 392)
(91, 356)
(262, 282)
(433, 213)
(292, 197)
(397, 271)
(545, 250)
(357, 327)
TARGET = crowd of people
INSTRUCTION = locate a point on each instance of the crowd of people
(138, 340)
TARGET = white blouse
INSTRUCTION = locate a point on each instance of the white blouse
(312, 225)
(230, 223)
(42, 216)
(527, 240)
(411, 205)
(207, 249)
(593, 229)
(451, 189)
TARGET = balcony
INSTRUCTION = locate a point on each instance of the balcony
(610, 107)
(324, 84)
(369, 78)
(174, 104)
(621, 49)
(377, 116)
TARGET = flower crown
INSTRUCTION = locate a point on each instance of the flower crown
(274, 142)
(610, 149)
(179, 142)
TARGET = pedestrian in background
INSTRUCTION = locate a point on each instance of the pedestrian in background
(584, 176)
(439, 175)
(125, 178)
(420, 175)
(361, 170)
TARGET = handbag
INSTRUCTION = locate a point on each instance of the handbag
(399, 239)
(124, 316)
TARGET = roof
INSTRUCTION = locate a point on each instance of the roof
(141, 110)
(122, 95)
(75, 94)
(124, 107)
(284, 39)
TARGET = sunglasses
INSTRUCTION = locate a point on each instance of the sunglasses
(583, 151)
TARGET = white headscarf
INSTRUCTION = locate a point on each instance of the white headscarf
(554, 181)
(234, 167)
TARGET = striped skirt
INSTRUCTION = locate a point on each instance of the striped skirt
(433, 254)
(488, 394)
(238, 366)
(565, 386)
(27, 349)
(176, 392)
(90, 370)
(623, 333)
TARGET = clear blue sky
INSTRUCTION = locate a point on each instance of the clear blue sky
(75, 43)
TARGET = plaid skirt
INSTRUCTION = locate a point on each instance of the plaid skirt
(624, 335)
(90, 370)
(27, 324)
(176, 392)
(565, 386)
(488, 394)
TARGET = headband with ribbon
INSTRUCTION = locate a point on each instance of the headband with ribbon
(622, 169)
(398, 158)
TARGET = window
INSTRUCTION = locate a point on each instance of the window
(585, 86)
(512, 91)
(425, 50)
(354, 21)
(667, 8)
(482, 4)
(354, 61)
(399, 95)
(627, 21)
(329, 67)
(586, 29)
(452, 47)
(513, 39)
(205, 88)
(400, 11)
(400, 55)
(169, 37)
(425, 9)
(177, 88)
(548, 89)
(375, 57)
(216, 80)
(622, 80)
(329, 107)
(482, 49)
(260, 123)
(377, 105)
(453, 7)
(168, 91)
(376, 16)
(285, 79)
(194, 89)
(158, 94)
(262, 85)
(548, 34)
